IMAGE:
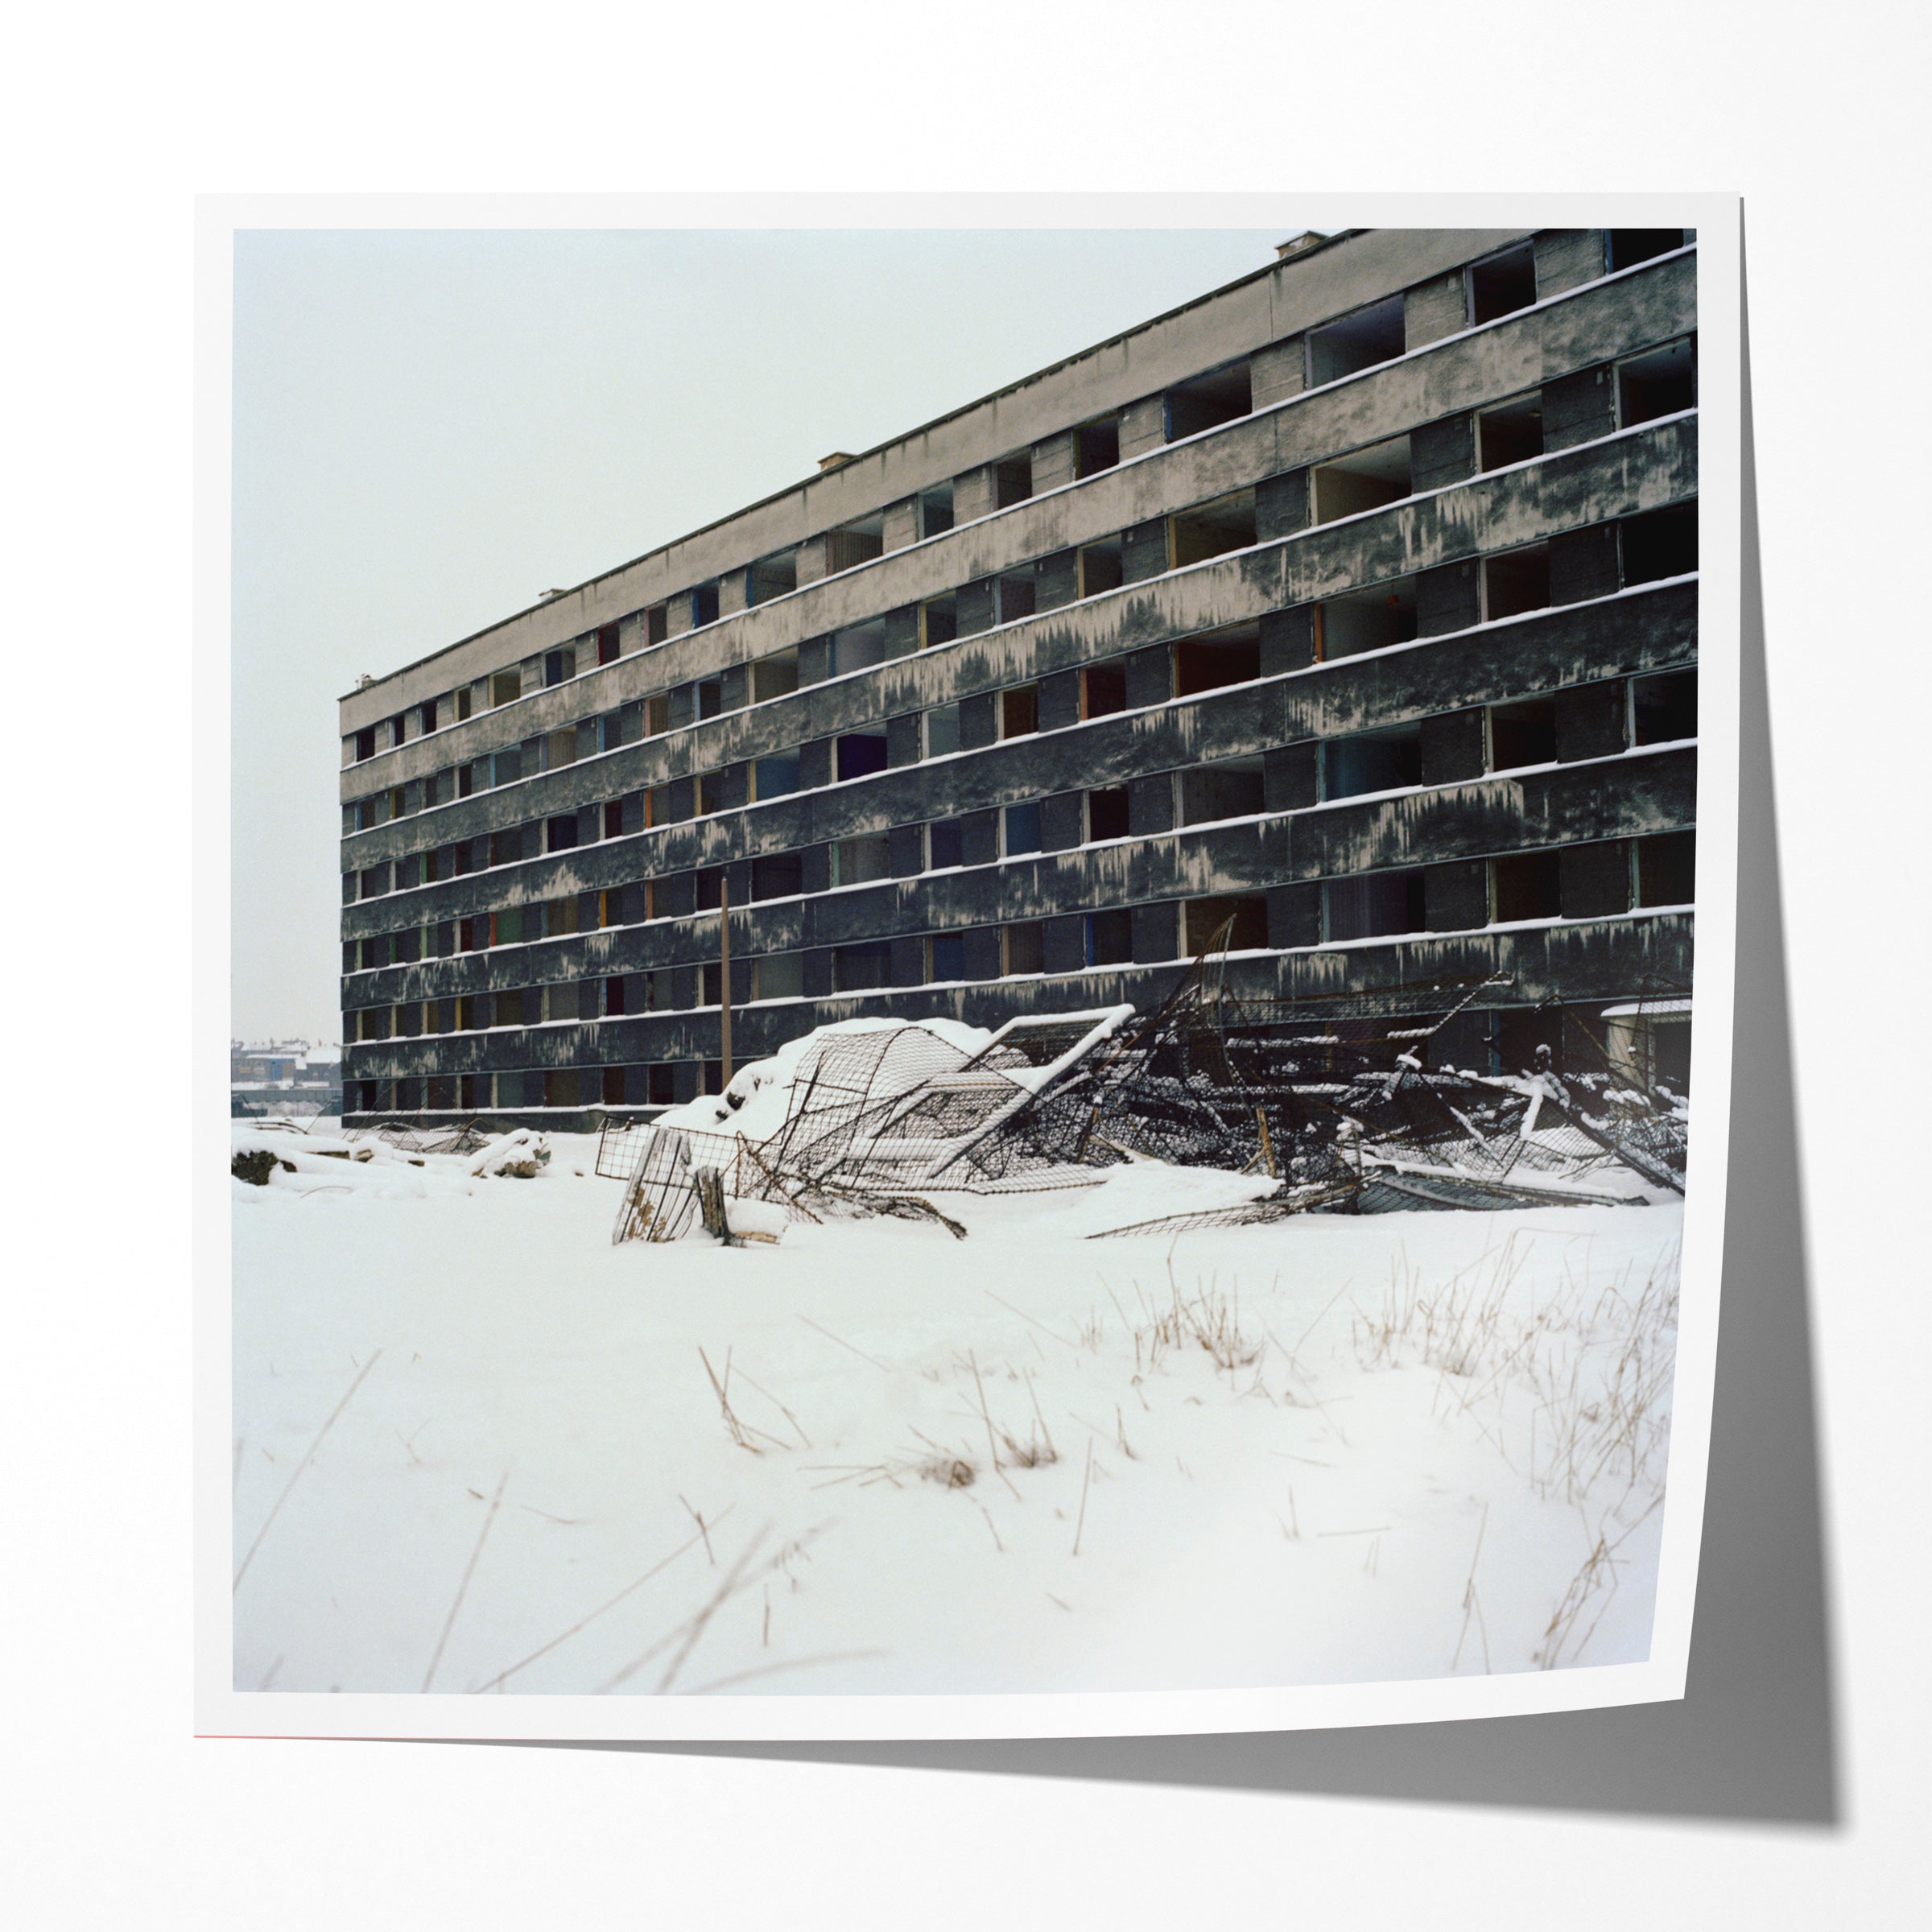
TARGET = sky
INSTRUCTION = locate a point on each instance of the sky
(430, 429)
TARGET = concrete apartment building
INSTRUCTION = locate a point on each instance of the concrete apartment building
(1354, 601)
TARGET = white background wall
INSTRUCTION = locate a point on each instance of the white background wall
(117, 1817)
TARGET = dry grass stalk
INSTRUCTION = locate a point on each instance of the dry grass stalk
(449, 1622)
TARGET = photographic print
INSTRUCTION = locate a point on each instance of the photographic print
(1034, 1076)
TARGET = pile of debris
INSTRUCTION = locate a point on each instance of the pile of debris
(1332, 1101)
(262, 1148)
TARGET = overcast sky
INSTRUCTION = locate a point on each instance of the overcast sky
(432, 429)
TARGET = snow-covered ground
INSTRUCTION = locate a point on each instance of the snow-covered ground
(477, 1447)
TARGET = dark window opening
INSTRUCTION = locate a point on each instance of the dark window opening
(945, 844)
(505, 687)
(559, 666)
(860, 754)
(1106, 814)
(945, 957)
(772, 576)
(1376, 334)
(857, 968)
(1522, 734)
(1661, 544)
(859, 647)
(1364, 480)
(1023, 949)
(939, 621)
(1096, 446)
(1230, 788)
(1526, 885)
(860, 861)
(1663, 709)
(366, 743)
(1020, 711)
(777, 875)
(776, 676)
(711, 697)
(1365, 620)
(1208, 401)
(704, 604)
(1659, 384)
(657, 624)
(854, 543)
(607, 644)
(1101, 567)
(778, 976)
(1103, 690)
(1516, 582)
(775, 777)
(1373, 905)
(1011, 481)
(1210, 662)
(1204, 918)
(657, 715)
(1014, 597)
(1631, 246)
(1502, 285)
(1020, 829)
(1667, 869)
(942, 730)
(661, 1084)
(1512, 433)
(1211, 530)
(1109, 938)
(1372, 762)
(560, 833)
(935, 509)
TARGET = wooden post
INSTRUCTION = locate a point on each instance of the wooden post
(724, 977)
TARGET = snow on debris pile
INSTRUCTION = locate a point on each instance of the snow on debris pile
(513, 1156)
(334, 1164)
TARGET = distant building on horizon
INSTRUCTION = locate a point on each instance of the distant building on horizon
(1354, 603)
(297, 1077)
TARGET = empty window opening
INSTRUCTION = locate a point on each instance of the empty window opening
(1524, 885)
(657, 624)
(1109, 938)
(1106, 813)
(1372, 762)
(1522, 734)
(1663, 709)
(939, 621)
(1101, 567)
(1209, 663)
(1020, 711)
(1020, 829)
(775, 777)
(462, 701)
(945, 958)
(1203, 919)
(1512, 433)
(1013, 596)
(772, 576)
(1210, 529)
(1103, 690)
(1365, 620)
(366, 743)
(857, 968)
(776, 676)
(704, 603)
(1659, 384)
(1011, 481)
(608, 645)
(945, 844)
(1364, 480)
(559, 666)
(1667, 869)
(860, 754)
(505, 687)
(854, 543)
(560, 833)
(858, 647)
(942, 730)
(777, 875)
(1230, 788)
(711, 697)
(1517, 581)
(935, 509)
(1661, 544)
(778, 976)
(1208, 401)
(1023, 948)
(1376, 334)
(1502, 285)
(657, 715)
(1096, 446)
(1372, 905)
(860, 861)
(1631, 246)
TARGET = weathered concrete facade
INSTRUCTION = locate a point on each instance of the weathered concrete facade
(1355, 601)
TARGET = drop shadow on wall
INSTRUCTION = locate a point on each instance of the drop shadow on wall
(1755, 1738)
